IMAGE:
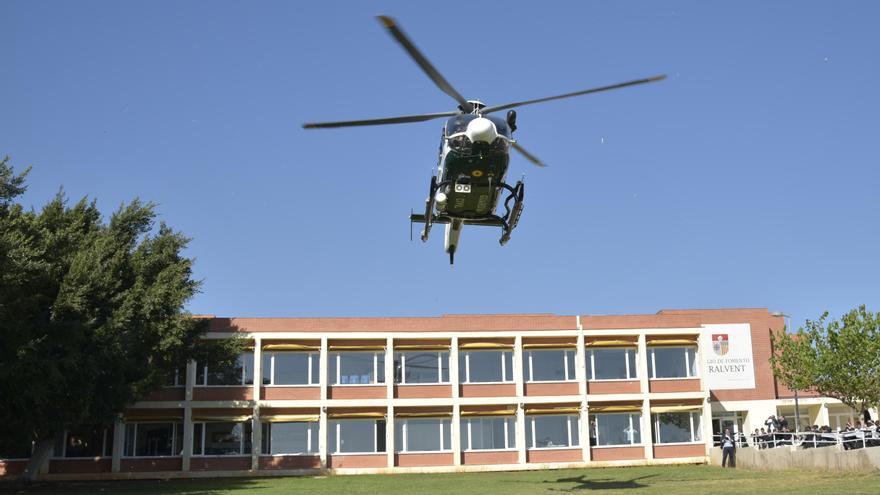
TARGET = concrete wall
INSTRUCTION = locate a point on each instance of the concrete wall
(829, 458)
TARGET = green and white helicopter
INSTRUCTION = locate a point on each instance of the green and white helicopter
(474, 155)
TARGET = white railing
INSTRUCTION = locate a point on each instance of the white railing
(846, 440)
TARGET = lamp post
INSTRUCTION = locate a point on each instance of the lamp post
(797, 409)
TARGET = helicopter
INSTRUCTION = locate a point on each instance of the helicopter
(474, 155)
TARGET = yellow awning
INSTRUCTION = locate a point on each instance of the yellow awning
(153, 419)
(289, 418)
(356, 415)
(610, 343)
(549, 346)
(614, 409)
(557, 410)
(682, 341)
(485, 345)
(422, 347)
(678, 408)
(423, 415)
(497, 412)
(222, 419)
(357, 348)
(291, 347)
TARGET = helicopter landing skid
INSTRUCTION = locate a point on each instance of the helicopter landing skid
(513, 206)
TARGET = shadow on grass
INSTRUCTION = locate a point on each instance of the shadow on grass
(207, 486)
(583, 483)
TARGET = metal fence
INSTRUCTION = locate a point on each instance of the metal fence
(846, 440)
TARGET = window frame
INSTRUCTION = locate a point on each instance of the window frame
(333, 377)
(509, 437)
(334, 449)
(175, 427)
(244, 372)
(445, 422)
(313, 381)
(439, 368)
(529, 365)
(266, 432)
(241, 443)
(632, 422)
(507, 376)
(688, 364)
(635, 358)
(106, 449)
(530, 439)
(655, 434)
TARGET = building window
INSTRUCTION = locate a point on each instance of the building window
(357, 436)
(222, 438)
(423, 435)
(552, 431)
(551, 365)
(176, 378)
(421, 367)
(240, 373)
(153, 439)
(678, 427)
(485, 366)
(612, 364)
(293, 438)
(617, 428)
(357, 368)
(85, 442)
(291, 368)
(488, 433)
(674, 362)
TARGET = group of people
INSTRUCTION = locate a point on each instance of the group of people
(776, 433)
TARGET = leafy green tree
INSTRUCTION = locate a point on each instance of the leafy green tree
(839, 359)
(92, 314)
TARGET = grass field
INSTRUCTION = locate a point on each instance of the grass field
(671, 480)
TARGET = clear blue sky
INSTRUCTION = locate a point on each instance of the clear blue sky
(749, 178)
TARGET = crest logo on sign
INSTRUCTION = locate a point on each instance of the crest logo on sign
(720, 343)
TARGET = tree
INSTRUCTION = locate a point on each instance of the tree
(839, 359)
(91, 314)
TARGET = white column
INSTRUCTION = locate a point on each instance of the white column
(187, 416)
(389, 368)
(257, 430)
(323, 425)
(521, 434)
(647, 438)
(518, 367)
(322, 370)
(453, 370)
(323, 437)
(118, 444)
(455, 436)
(389, 435)
(643, 364)
(580, 373)
(707, 425)
(256, 440)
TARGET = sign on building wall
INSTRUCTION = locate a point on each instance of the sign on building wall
(728, 356)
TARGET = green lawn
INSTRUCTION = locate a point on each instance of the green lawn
(671, 480)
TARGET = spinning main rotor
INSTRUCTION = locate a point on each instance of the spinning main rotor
(464, 106)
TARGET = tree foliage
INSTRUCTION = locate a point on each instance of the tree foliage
(839, 359)
(91, 313)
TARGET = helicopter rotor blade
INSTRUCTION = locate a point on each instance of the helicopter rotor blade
(389, 120)
(530, 157)
(576, 93)
(426, 66)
